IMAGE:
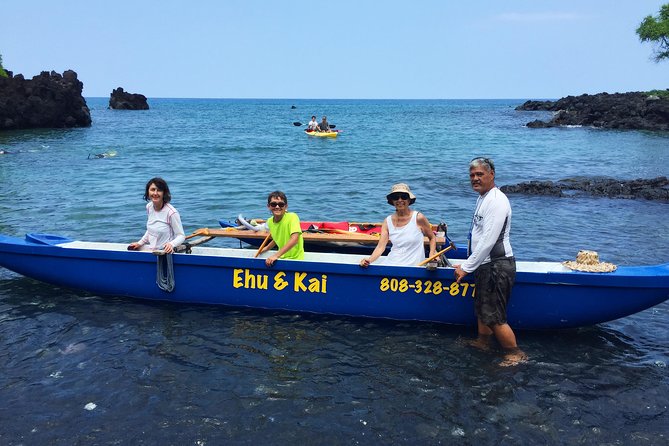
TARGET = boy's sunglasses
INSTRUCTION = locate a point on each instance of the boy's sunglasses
(274, 204)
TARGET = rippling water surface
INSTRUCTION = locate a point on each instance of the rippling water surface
(86, 369)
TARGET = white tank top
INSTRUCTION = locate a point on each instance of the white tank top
(407, 243)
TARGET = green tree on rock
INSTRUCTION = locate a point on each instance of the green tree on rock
(2, 70)
(656, 29)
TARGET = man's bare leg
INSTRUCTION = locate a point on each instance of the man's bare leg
(507, 339)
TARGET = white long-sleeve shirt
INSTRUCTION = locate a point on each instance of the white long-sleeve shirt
(162, 227)
(490, 230)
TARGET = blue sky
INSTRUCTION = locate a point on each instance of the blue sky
(528, 49)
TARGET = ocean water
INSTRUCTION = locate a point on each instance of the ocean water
(85, 369)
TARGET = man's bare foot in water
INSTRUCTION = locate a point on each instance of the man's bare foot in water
(513, 357)
(483, 343)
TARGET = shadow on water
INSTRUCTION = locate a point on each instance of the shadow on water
(203, 372)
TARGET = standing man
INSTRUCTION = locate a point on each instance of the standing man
(285, 229)
(492, 261)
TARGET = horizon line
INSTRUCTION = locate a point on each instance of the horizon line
(338, 99)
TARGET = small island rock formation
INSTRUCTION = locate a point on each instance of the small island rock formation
(122, 100)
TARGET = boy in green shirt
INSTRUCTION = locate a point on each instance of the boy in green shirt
(285, 229)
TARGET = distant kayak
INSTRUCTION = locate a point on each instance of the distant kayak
(331, 134)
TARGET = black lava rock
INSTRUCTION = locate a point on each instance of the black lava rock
(122, 100)
(630, 111)
(49, 100)
(646, 189)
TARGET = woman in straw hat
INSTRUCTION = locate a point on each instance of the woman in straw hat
(405, 229)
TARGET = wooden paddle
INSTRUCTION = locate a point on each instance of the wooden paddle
(205, 231)
(201, 231)
(299, 124)
(426, 261)
(264, 242)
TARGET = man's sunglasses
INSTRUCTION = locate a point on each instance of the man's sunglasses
(274, 204)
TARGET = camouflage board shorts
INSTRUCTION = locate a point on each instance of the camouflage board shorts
(494, 281)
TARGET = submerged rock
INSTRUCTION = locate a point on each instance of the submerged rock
(122, 100)
(49, 100)
(651, 189)
(632, 111)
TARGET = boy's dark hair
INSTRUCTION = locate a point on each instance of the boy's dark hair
(278, 194)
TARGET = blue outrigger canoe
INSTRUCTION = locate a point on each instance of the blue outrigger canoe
(547, 295)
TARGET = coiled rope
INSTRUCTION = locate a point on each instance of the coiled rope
(165, 272)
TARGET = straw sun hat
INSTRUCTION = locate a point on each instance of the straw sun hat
(401, 187)
(589, 261)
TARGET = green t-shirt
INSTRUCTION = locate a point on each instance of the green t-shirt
(281, 232)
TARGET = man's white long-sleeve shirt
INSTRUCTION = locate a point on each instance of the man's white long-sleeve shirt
(490, 230)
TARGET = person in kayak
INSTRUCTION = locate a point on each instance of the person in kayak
(163, 226)
(285, 229)
(313, 124)
(324, 126)
(405, 229)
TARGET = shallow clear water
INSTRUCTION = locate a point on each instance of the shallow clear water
(169, 374)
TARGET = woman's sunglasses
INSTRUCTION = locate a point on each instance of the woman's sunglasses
(399, 196)
(274, 204)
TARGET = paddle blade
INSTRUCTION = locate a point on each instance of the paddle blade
(332, 126)
(297, 124)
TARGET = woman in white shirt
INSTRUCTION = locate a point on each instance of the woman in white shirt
(405, 229)
(163, 226)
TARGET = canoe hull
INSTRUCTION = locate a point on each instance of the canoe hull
(335, 284)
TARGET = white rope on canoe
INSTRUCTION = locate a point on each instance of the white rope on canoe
(165, 272)
(165, 266)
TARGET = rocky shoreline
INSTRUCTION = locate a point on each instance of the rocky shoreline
(48, 100)
(629, 111)
(656, 189)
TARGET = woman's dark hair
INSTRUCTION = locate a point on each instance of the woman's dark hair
(277, 194)
(162, 186)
